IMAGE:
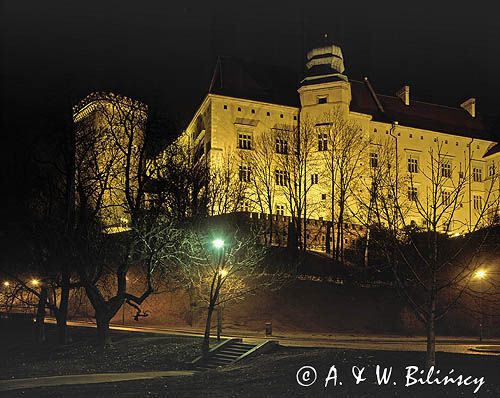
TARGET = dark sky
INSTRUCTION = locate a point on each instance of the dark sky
(55, 52)
(165, 52)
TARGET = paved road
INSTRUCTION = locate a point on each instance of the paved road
(18, 384)
(461, 345)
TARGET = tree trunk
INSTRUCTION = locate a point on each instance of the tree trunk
(40, 316)
(367, 245)
(62, 313)
(104, 338)
(431, 334)
(327, 240)
(206, 338)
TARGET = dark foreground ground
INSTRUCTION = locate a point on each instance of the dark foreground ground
(267, 375)
(20, 357)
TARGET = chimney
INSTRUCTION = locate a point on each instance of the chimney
(469, 106)
(404, 94)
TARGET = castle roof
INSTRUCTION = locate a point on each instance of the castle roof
(234, 77)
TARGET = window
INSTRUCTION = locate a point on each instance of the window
(239, 109)
(268, 113)
(322, 100)
(281, 116)
(446, 197)
(244, 173)
(280, 210)
(322, 142)
(374, 159)
(491, 170)
(323, 196)
(446, 169)
(281, 178)
(244, 141)
(225, 106)
(246, 207)
(477, 174)
(295, 118)
(478, 202)
(281, 146)
(253, 110)
(314, 179)
(412, 165)
(412, 194)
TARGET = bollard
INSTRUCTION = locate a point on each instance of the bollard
(269, 329)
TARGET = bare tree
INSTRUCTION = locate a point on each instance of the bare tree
(292, 175)
(432, 265)
(228, 182)
(344, 146)
(222, 269)
(116, 229)
(262, 163)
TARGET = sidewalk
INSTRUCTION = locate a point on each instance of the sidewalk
(50, 381)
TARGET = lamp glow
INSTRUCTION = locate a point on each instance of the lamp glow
(218, 243)
(35, 282)
(480, 274)
(6, 284)
(223, 272)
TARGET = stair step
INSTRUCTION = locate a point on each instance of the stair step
(234, 352)
(227, 355)
(243, 345)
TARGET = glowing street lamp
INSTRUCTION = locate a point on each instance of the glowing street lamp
(6, 283)
(218, 243)
(35, 282)
(480, 274)
(223, 272)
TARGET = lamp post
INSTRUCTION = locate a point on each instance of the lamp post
(218, 244)
(481, 275)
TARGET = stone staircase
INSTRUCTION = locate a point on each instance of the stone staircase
(228, 352)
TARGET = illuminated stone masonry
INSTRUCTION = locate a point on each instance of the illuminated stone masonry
(246, 102)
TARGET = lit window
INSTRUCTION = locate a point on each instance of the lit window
(244, 173)
(244, 141)
(446, 169)
(374, 159)
(281, 178)
(412, 194)
(281, 146)
(412, 165)
(314, 179)
(478, 202)
(322, 142)
(280, 210)
(446, 198)
(477, 174)
(491, 170)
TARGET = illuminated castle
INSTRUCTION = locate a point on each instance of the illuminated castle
(246, 102)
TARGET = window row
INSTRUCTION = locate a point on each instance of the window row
(239, 108)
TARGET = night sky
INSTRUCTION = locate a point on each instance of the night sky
(53, 53)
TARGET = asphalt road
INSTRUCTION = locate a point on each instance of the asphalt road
(459, 345)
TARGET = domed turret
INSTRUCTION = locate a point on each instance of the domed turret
(324, 64)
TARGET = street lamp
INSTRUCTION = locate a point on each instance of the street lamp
(219, 244)
(35, 282)
(480, 274)
(6, 283)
